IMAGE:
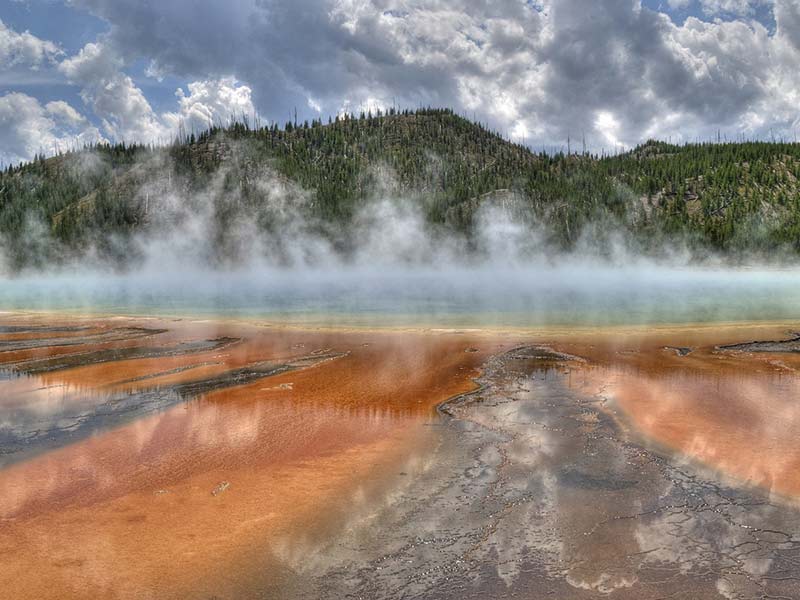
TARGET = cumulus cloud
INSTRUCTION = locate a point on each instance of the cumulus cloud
(543, 71)
(787, 18)
(615, 72)
(678, 4)
(113, 96)
(733, 7)
(211, 102)
(24, 49)
(27, 127)
(327, 55)
(65, 114)
(126, 113)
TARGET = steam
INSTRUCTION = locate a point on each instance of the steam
(254, 247)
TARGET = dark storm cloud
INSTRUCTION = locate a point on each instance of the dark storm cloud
(635, 63)
(787, 16)
(289, 52)
(615, 71)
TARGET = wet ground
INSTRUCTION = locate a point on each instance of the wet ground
(536, 492)
(146, 458)
(162, 459)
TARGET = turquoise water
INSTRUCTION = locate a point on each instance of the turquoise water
(573, 295)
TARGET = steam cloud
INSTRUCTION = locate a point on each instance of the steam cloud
(213, 252)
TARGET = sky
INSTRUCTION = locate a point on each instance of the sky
(615, 72)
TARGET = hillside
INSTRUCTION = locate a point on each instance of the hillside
(734, 198)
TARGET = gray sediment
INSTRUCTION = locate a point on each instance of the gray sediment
(48, 341)
(106, 355)
(34, 432)
(789, 345)
(534, 491)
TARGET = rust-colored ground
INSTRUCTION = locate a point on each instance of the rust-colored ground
(188, 502)
(184, 503)
(737, 412)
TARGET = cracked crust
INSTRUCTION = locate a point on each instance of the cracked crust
(536, 492)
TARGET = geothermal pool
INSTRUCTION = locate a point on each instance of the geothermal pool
(575, 294)
(406, 442)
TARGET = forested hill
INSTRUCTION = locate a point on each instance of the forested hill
(734, 197)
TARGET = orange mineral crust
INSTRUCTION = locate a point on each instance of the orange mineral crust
(198, 499)
(731, 408)
(154, 458)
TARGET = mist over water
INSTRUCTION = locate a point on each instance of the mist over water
(397, 269)
(489, 295)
